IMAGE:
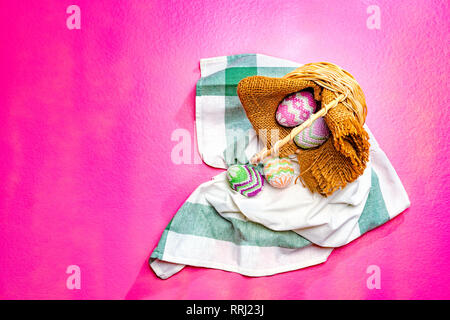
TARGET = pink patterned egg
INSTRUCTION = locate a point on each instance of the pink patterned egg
(295, 109)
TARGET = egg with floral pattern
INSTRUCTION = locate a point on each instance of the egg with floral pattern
(278, 172)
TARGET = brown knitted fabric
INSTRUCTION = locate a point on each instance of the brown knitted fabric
(340, 160)
(261, 96)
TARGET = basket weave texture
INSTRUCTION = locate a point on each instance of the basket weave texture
(343, 157)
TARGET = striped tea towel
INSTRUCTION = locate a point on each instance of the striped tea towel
(279, 230)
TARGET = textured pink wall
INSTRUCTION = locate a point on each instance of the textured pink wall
(85, 140)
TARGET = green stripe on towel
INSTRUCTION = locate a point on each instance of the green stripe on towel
(375, 212)
(204, 221)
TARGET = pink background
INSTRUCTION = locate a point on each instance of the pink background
(85, 141)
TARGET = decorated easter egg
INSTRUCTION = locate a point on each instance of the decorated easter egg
(295, 109)
(245, 179)
(279, 172)
(313, 136)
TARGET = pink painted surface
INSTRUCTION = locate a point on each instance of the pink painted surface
(85, 140)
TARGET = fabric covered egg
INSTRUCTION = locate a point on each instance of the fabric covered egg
(313, 136)
(245, 179)
(279, 172)
(295, 109)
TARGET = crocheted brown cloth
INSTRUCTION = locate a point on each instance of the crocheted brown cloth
(340, 160)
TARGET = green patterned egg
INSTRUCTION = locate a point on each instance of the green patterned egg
(245, 179)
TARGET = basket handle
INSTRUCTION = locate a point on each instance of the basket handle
(276, 147)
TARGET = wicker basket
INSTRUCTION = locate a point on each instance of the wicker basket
(335, 163)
